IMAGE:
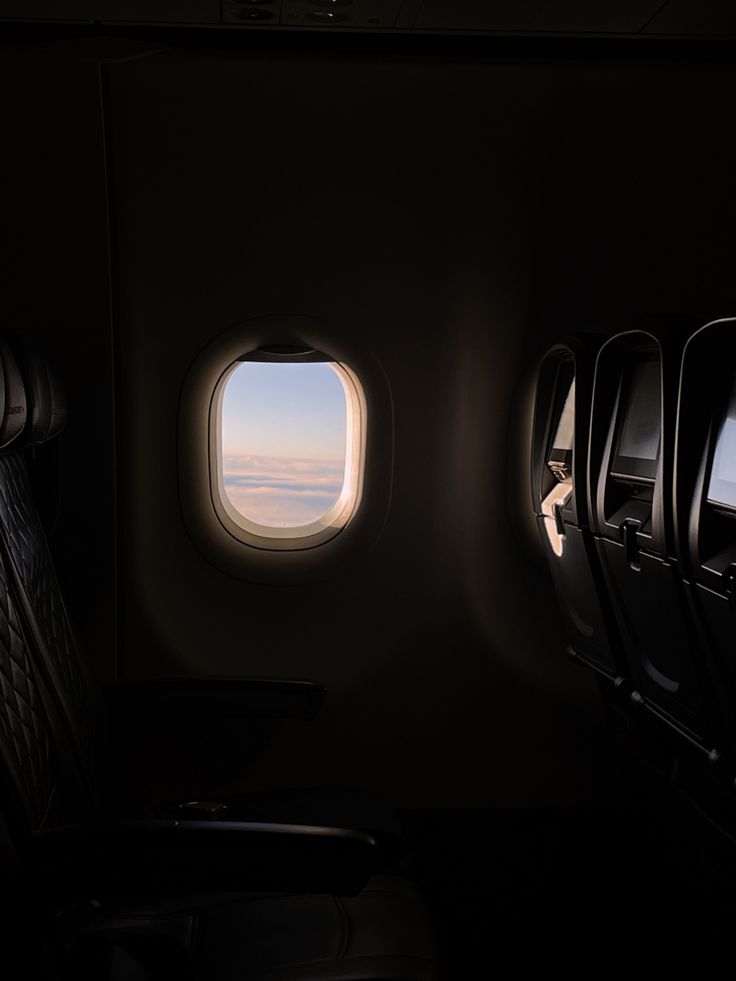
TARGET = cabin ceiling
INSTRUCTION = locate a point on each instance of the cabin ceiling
(672, 18)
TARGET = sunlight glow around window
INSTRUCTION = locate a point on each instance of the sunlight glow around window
(289, 442)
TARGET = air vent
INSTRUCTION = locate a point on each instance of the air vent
(340, 13)
(251, 11)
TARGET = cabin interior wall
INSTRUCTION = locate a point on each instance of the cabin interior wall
(397, 200)
(638, 215)
(453, 217)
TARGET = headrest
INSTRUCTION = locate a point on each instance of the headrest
(33, 395)
(12, 398)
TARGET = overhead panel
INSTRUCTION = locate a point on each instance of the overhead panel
(714, 17)
(140, 11)
(595, 16)
(477, 15)
(673, 18)
(72, 10)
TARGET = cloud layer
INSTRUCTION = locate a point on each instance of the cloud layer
(282, 492)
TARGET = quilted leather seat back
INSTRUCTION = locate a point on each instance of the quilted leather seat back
(27, 748)
(45, 720)
(25, 540)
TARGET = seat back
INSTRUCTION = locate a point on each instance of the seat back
(46, 779)
(631, 470)
(560, 500)
(705, 501)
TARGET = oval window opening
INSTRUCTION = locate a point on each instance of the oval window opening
(289, 449)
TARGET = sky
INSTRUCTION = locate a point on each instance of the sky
(283, 441)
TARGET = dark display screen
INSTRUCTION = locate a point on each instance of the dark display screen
(566, 426)
(637, 448)
(722, 486)
(559, 458)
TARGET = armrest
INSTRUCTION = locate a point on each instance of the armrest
(150, 857)
(220, 698)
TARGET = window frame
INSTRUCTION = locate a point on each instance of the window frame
(203, 364)
(330, 524)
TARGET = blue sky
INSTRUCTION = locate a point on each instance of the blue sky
(283, 436)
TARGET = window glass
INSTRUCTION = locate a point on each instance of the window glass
(283, 442)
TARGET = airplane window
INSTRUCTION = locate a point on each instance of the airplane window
(289, 440)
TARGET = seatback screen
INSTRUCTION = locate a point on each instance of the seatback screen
(559, 459)
(637, 446)
(722, 486)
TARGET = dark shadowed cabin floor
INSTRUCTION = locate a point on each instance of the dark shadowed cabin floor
(489, 874)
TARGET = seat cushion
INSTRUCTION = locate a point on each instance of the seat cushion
(383, 933)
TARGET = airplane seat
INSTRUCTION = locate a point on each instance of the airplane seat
(216, 899)
(631, 451)
(705, 503)
(29, 421)
(39, 400)
(559, 470)
(382, 933)
(560, 500)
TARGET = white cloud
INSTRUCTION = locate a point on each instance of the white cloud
(282, 491)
